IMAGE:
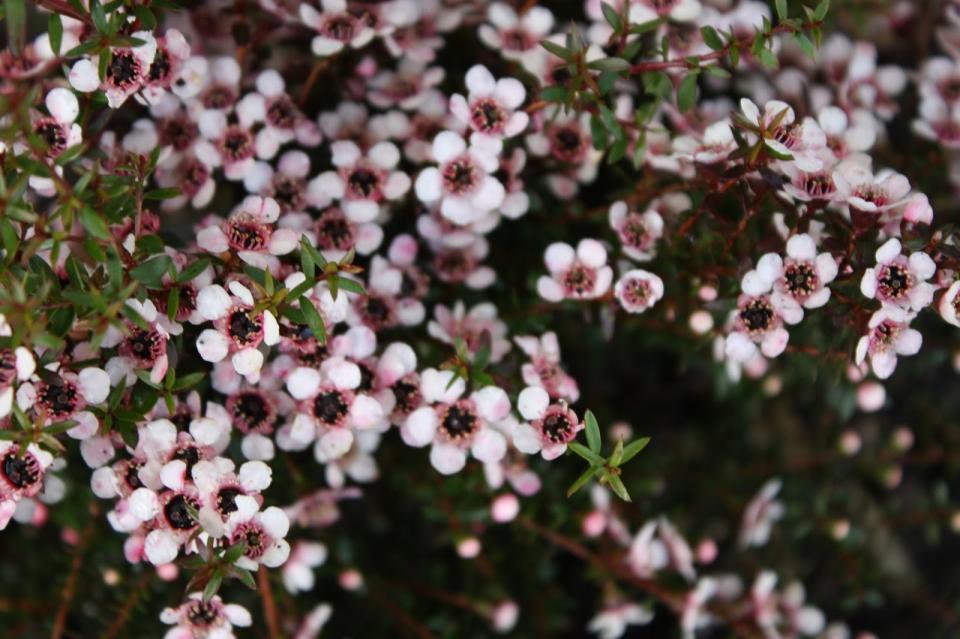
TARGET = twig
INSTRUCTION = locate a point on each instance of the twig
(69, 588)
(124, 615)
(269, 607)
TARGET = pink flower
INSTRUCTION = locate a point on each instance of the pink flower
(336, 27)
(760, 515)
(237, 331)
(516, 37)
(453, 425)
(801, 278)
(263, 533)
(949, 305)
(463, 183)
(475, 326)
(612, 621)
(580, 275)
(198, 618)
(888, 335)
(362, 183)
(899, 281)
(549, 427)
(249, 232)
(490, 109)
(544, 368)
(126, 74)
(638, 290)
(760, 315)
(638, 232)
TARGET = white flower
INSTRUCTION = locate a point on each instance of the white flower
(900, 281)
(637, 290)
(888, 335)
(491, 107)
(579, 274)
(549, 427)
(463, 183)
(362, 182)
(336, 27)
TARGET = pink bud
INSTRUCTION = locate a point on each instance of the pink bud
(594, 524)
(505, 508)
(903, 438)
(350, 579)
(168, 572)
(469, 547)
(871, 396)
(850, 443)
(504, 616)
(70, 536)
(706, 551)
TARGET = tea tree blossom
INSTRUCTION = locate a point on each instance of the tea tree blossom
(238, 330)
(551, 426)
(802, 277)
(888, 335)
(129, 69)
(453, 424)
(898, 280)
(199, 618)
(638, 232)
(490, 108)
(638, 290)
(580, 274)
(336, 27)
(362, 182)
(463, 183)
(516, 37)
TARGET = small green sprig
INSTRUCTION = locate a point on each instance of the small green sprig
(607, 470)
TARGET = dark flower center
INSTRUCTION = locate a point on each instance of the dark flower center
(227, 500)
(53, 134)
(243, 330)
(178, 132)
(202, 613)
(21, 472)
(894, 281)
(250, 411)
(288, 192)
(634, 232)
(60, 398)
(8, 367)
(189, 455)
(487, 116)
(334, 231)
(282, 112)
(144, 346)
(131, 475)
(339, 27)
(193, 174)
(557, 427)
(219, 97)
(237, 143)
(459, 422)
(568, 143)
(800, 279)
(246, 234)
(516, 40)
(757, 315)
(330, 407)
(460, 176)
(406, 392)
(177, 512)
(160, 67)
(124, 69)
(579, 279)
(253, 536)
(363, 182)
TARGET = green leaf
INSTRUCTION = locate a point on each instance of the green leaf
(15, 15)
(617, 455)
(99, 17)
(612, 17)
(768, 59)
(711, 38)
(782, 11)
(633, 448)
(193, 270)
(353, 286)
(687, 93)
(644, 27)
(306, 259)
(821, 11)
(151, 271)
(609, 64)
(587, 475)
(593, 431)
(213, 585)
(616, 485)
(657, 84)
(809, 49)
(246, 578)
(586, 453)
(187, 381)
(314, 320)
(145, 16)
(557, 50)
(162, 194)
(716, 71)
(94, 223)
(234, 552)
(55, 32)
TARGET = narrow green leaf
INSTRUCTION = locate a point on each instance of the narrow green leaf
(612, 17)
(711, 38)
(313, 319)
(194, 269)
(150, 272)
(616, 485)
(587, 475)
(821, 11)
(586, 453)
(593, 431)
(94, 223)
(633, 448)
(352, 286)
(55, 32)
(687, 92)
(15, 15)
(99, 17)
(557, 50)
(213, 585)
(782, 11)
(609, 64)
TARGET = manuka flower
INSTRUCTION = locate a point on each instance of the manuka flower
(211, 619)
(637, 290)
(454, 424)
(249, 232)
(888, 335)
(580, 274)
(898, 280)
(802, 277)
(336, 27)
(128, 70)
(490, 109)
(363, 182)
(238, 330)
(549, 427)
(638, 232)
(463, 183)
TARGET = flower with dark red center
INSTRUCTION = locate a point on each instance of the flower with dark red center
(458, 422)
(549, 427)
(54, 134)
(176, 509)
(375, 311)
(336, 27)
(244, 330)
(179, 131)
(888, 335)
(334, 231)
(491, 108)
(638, 232)
(637, 290)
(252, 411)
(144, 346)
(898, 280)
(21, 471)
(236, 144)
(125, 71)
(575, 274)
(407, 397)
(246, 233)
(282, 112)
(331, 406)
(262, 535)
(59, 397)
